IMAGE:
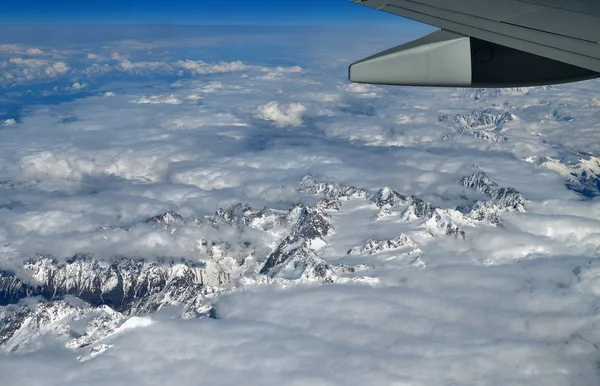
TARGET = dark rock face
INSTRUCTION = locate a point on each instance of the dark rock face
(311, 224)
(331, 191)
(581, 171)
(588, 184)
(508, 199)
(484, 124)
(420, 209)
(483, 118)
(70, 320)
(372, 246)
(11, 322)
(296, 253)
(480, 94)
(167, 218)
(436, 217)
(448, 226)
(501, 199)
(236, 214)
(282, 254)
(242, 216)
(388, 197)
(12, 289)
(127, 285)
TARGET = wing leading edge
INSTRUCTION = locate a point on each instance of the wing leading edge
(499, 43)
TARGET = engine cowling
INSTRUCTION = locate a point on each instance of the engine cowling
(447, 59)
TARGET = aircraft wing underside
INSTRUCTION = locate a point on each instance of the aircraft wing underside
(492, 43)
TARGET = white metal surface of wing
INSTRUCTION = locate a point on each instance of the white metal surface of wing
(491, 43)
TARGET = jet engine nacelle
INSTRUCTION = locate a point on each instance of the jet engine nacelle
(447, 59)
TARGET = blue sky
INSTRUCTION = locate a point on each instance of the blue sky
(189, 12)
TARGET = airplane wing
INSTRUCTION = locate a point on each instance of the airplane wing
(489, 43)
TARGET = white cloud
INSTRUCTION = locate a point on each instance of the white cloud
(32, 63)
(290, 115)
(212, 87)
(92, 56)
(77, 86)
(144, 67)
(10, 48)
(365, 90)
(96, 70)
(56, 69)
(200, 67)
(19, 70)
(517, 303)
(288, 70)
(159, 99)
(34, 51)
(278, 72)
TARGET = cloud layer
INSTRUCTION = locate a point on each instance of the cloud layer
(131, 129)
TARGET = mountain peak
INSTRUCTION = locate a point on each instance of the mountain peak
(330, 190)
(167, 218)
(388, 197)
(480, 182)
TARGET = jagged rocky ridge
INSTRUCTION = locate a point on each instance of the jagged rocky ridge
(501, 199)
(481, 94)
(71, 320)
(296, 256)
(128, 285)
(372, 247)
(485, 124)
(580, 171)
(48, 294)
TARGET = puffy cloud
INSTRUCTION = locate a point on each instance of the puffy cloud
(97, 70)
(282, 116)
(288, 70)
(116, 56)
(159, 99)
(34, 51)
(20, 70)
(364, 90)
(141, 68)
(77, 86)
(10, 48)
(278, 72)
(72, 166)
(92, 56)
(32, 63)
(200, 67)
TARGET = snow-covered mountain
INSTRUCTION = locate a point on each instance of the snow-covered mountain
(482, 94)
(83, 299)
(581, 172)
(77, 324)
(372, 246)
(485, 124)
(501, 199)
